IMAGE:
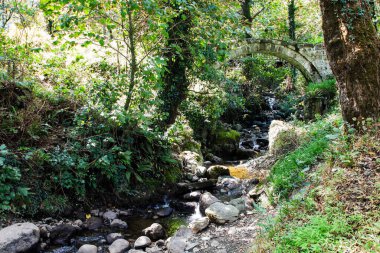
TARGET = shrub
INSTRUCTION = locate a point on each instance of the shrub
(286, 141)
(227, 136)
(326, 88)
(9, 180)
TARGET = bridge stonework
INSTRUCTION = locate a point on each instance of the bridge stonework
(310, 59)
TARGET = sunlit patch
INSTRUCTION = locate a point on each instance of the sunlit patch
(240, 172)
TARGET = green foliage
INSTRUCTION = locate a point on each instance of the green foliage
(287, 141)
(319, 232)
(54, 205)
(227, 136)
(181, 136)
(326, 88)
(9, 180)
(289, 172)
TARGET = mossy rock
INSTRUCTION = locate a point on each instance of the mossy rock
(227, 136)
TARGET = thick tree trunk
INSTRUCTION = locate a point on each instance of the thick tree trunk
(353, 49)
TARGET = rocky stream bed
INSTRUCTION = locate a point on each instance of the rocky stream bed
(220, 204)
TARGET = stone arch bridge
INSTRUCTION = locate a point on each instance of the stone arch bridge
(309, 59)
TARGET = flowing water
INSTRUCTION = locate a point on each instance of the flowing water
(253, 139)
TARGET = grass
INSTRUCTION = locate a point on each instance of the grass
(289, 172)
(339, 211)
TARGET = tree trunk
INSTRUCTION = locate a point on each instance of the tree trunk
(292, 36)
(178, 61)
(133, 67)
(247, 16)
(353, 50)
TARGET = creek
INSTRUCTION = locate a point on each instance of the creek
(169, 212)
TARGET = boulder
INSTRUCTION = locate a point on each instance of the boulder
(190, 161)
(164, 212)
(155, 231)
(179, 241)
(239, 203)
(213, 158)
(20, 237)
(200, 171)
(94, 223)
(206, 200)
(136, 251)
(88, 248)
(117, 223)
(221, 213)
(217, 171)
(119, 246)
(192, 196)
(61, 234)
(113, 237)
(142, 242)
(229, 183)
(110, 215)
(283, 137)
(199, 224)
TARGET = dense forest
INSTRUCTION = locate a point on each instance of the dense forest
(189, 126)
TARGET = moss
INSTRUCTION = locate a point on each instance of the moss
(174, 224)
(227, 136)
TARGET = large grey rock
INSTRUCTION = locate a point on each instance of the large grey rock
(179, 241)
(155, 231)
(117, 223)
(229, 183)
(199, 224)
(217, 171)
(142, 242)
(239, 203)
(113, 237)
(94, 223)
(200, 171)
(206, 200)
(195, 195)
(221, 213)
(190, 161)
(164, 212)
(110, 215)
(61, 234)
(19, 237)
(119, 246)
(88, 248)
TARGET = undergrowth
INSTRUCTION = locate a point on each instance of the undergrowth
(337, 208)
(289, 172)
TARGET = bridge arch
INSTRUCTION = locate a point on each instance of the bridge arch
(309, 59)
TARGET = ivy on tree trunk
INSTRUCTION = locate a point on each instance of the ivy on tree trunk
(179, 59)
(353, 49)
